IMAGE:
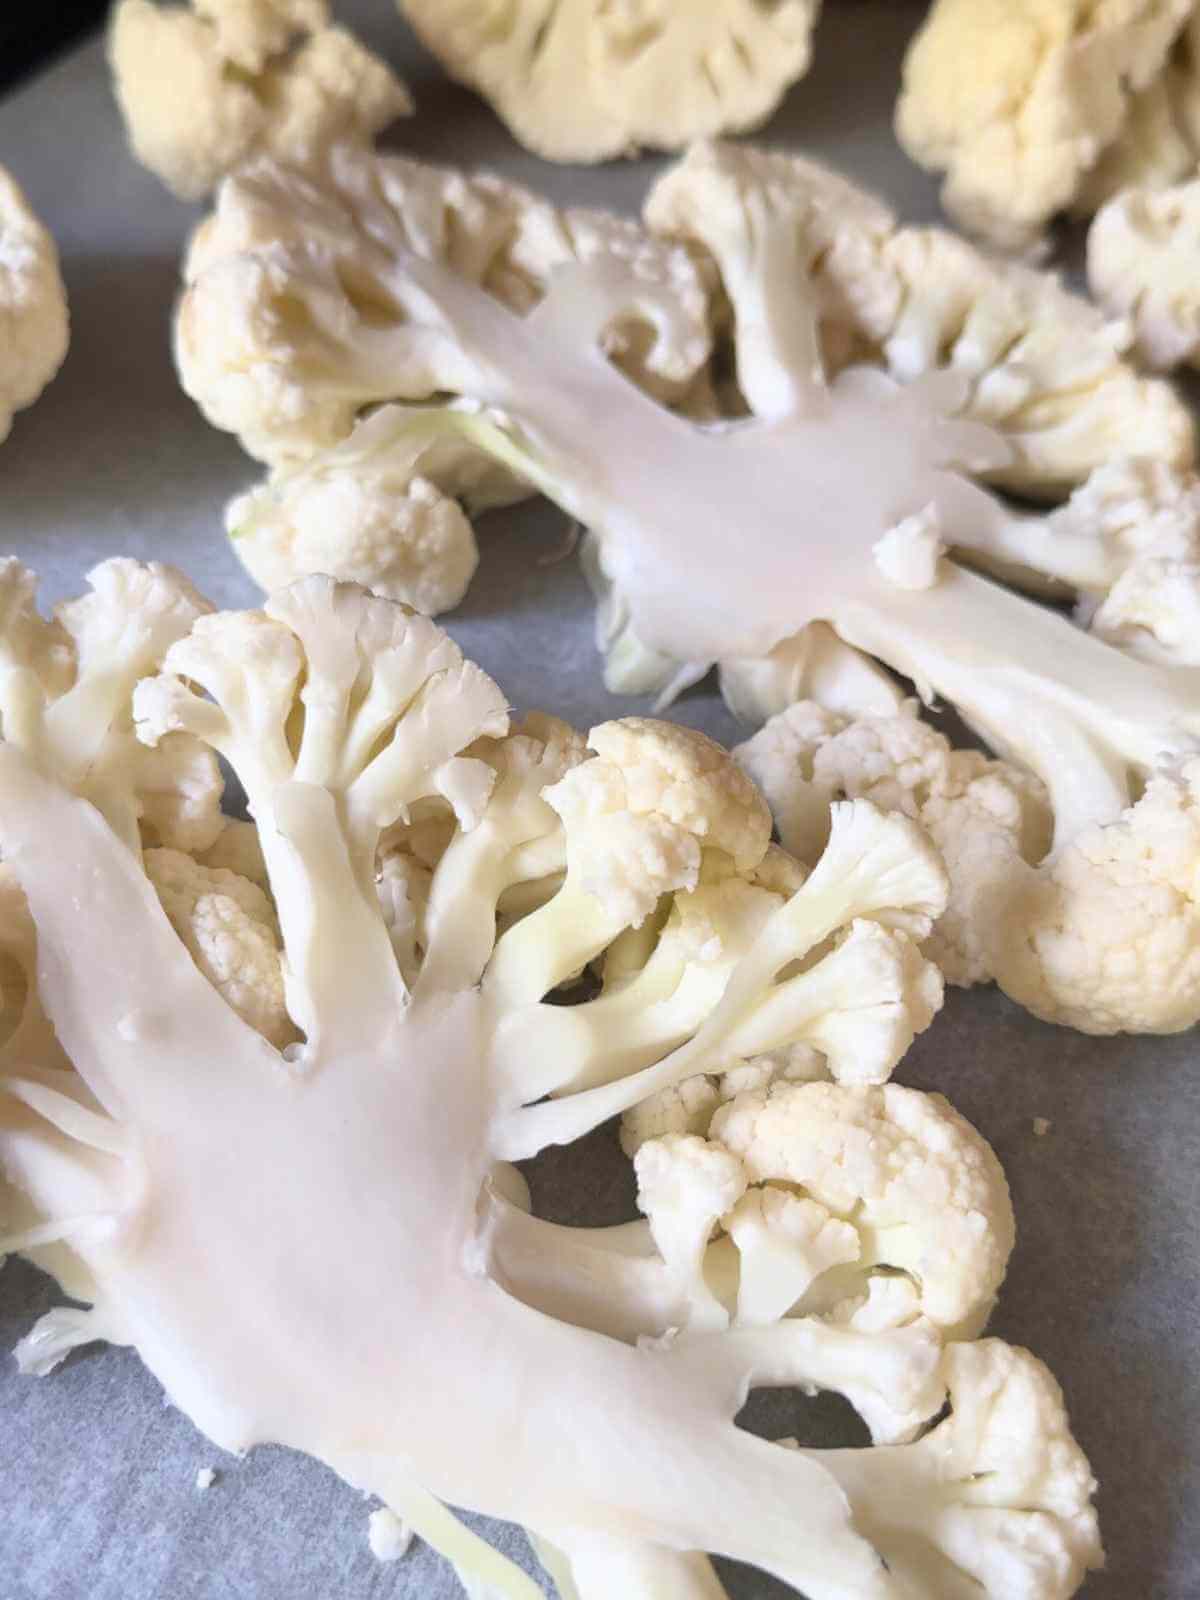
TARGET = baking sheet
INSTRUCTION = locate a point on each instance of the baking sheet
(97, 1473)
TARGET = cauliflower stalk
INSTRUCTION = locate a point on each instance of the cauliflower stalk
(33, 305)
(205, 85)
(581, 81)
(854, 504)
(390, 1273)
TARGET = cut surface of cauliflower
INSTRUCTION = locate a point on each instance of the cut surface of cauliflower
(205, 86)
(981, 814)
(33, 304)
(1016, 100)
(582, 80)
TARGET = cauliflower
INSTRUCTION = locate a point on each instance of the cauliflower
(205, 86)
(1142, 253)
(33, 305)
(980, 813)
(64, 699)
(581, 81)
(369, 1292)
(1017, 100)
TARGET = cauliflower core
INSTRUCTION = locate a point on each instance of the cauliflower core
(861, 1231)
(33, 305)
(204, 86)
(579, 80)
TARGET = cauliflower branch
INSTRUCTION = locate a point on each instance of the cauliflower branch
(380, 1275)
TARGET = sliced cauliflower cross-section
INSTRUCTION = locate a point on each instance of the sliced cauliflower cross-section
(581, 80)
(202, 87)
(33, 305)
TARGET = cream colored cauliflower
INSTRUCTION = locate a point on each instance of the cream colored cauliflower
(1143, 262)
(229, 928)
(1106, 938)
(980, 813)
(33, 305)
(203, 87)
(398, 536)
(1016, 100)
(582, 80)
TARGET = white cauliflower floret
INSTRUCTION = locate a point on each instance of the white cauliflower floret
(923, 1190)
(204, 88)
(1016, 100)
(33, 305)
(229, 927)
(1106, 938)
(685, 1185)
(406, 541)
(981, 814)
(583, 82)
(685, 1108)
(1143, 252)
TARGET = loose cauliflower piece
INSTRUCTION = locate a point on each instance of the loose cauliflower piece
(228, 926)
(1143, 252)
(33, 305)
(980, 813)
(367, 1152)
(204, 87)
(580, 80)
(1016, 100)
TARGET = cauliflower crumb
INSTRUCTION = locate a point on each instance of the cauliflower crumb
(388, 1536)
(908, 554)
(205, 1478)
(1041, 1126)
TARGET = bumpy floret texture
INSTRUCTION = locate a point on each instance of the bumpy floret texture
(33, 305)
(578, 80)
(1016, 100)
(1142, 253)
(981, 814)
(205, 86)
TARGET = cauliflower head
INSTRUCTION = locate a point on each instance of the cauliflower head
(1017, 100)
(205, 86)
(33, 305)
(580, 81)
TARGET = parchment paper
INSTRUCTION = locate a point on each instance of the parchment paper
(97, 1473)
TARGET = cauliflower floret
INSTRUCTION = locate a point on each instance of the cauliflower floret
(981, 814)
(922, 1188)
(1106, 938)
(1015, 100)
(33, 305)
(406, 540)
(1143, 252)
(202, 89)
(229, 928)
(684, 1108)
(584, 82)
(685, 1185)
